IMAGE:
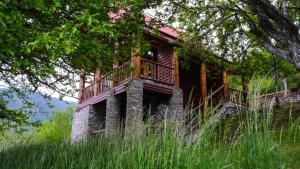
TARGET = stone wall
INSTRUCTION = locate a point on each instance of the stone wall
(86, 121)
(113, 115)
(290, 99)
(93, 118)
(80, 124)
(97, 117)
(134, 108)
(162, 111)
(176, 108)
(282, 100)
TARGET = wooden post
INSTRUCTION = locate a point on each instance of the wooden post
(81, 86)
(176, 69)
(225, 83)
(245, 89)
(203, 87)
(116, 74)
(136, 64)
(96, 82)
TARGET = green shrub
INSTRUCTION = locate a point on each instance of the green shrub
(56, 130)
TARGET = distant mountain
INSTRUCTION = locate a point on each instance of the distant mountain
(42, 107)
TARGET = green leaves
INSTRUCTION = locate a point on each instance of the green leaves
(45, 44)
(38, 4)
(233, 28)
(57, 130)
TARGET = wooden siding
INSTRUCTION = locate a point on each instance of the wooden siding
(165, 58)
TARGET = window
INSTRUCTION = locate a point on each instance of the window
(152, 54)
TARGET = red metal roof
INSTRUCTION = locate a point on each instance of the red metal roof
(161, 27)
(150, 22)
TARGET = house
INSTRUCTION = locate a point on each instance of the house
(155, 84)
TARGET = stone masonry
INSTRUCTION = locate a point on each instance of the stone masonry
(134, 108)
(86, 121)
(92, 117)
(113, 115)
(80, 124)
(176, 113)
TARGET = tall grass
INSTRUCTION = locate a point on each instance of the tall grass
(250, 142)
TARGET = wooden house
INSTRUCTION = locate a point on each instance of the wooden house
(155, 84)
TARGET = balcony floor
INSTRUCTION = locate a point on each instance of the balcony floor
(121, 88)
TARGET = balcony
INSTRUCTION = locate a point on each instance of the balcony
(150, 71)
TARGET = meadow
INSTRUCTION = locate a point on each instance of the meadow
(255, 139)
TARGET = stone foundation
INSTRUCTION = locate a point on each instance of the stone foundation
(162, 112)
(80, 124)
(113, 115)
(266, 103)
(134, 108)
(86, 121)
(98, 117)
(176, 112)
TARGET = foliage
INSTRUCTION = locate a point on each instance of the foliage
(190, 50)
(56, 130)
(10, 118)
(45, 44)
(252, 149)
(294, 80)
(233, 28)
(263, 63)
(235, 82)
(10, 139)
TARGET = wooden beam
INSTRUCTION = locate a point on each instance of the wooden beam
(245, 89)
(116, 74)
(81, 86)
(203, 86)
(136, 64)
(176, 69)
(226, 87)
(97, 84)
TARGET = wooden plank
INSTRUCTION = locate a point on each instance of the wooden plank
(157, 87)
(116, 73)
(136, 64)
(245, 89)
(81, 86)
(176, 69)
(203, 86)
(97, 84)
(137, 67)
(226, 87)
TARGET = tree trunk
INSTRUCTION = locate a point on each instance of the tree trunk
(276, 80)
(285, 86)
(245, 90)
(276, 26)
(277, 102)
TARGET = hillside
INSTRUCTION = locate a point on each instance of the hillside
(42, 107)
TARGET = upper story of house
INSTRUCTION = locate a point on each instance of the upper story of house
(158, 66)
(160, 70)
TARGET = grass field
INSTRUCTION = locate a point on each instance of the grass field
(249, 140)
(254, 146)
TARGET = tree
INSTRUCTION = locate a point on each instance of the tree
(264, 63)
(45, 44)
(232, 27)
(56, 130)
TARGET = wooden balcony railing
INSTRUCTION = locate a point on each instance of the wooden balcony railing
(87, 93)
(157, 72)
(150, 70)
(111, 79)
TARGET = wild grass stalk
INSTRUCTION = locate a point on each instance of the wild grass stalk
(246, 140)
